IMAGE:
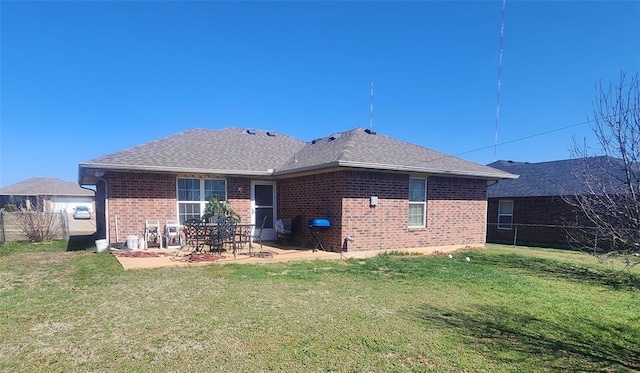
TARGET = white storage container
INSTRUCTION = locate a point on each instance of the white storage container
(101, 245)
(132, 242)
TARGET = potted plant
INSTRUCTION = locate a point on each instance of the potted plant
(215, 207)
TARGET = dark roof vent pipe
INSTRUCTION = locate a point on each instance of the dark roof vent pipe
(370, 132)
(250, 132)
(271, 134)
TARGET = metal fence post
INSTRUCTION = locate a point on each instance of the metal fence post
(65, 225)
(515, 236)
(3, 237)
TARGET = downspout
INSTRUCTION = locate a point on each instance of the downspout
(107, 230)
(106, 205)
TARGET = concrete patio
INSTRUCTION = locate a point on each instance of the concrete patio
(156, 258)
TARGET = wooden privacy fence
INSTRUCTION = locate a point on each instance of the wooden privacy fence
(33, 226)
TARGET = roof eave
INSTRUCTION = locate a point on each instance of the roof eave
(400, 168)
(162, 169)
(432, 171)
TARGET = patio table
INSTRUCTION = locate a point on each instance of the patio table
(243, 232)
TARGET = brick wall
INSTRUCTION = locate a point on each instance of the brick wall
(239, 196)
(456, 209)
(377, 227)
(312, 196)
(540, 221)
(136, 197)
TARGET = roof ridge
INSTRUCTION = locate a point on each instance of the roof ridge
(349, 146)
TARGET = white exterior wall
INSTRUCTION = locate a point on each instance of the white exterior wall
(68, 204)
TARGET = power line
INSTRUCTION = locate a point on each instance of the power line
(528, 137)
(509, 142)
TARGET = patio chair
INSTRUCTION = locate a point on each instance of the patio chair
(196, 233)
(172, 236)
(283, 228)
(257, 234)
(286, 228)
(225, 234)
(152, 234)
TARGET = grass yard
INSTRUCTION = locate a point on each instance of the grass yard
(507, 310)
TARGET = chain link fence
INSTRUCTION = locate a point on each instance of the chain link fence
(33, 226)
(539, 235)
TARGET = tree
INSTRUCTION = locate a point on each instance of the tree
(33, 221)
(608, 213)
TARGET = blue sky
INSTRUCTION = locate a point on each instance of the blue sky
(82, 79)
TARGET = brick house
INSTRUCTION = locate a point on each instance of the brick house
(383, 192)
(530, 210)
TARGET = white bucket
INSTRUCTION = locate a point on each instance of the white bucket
(141, 243)
(132, 242)
(101, 245)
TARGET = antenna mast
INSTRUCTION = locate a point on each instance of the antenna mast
(371, 108)
(495, 141)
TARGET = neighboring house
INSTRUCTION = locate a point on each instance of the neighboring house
(383, 192)
(46, 194)
(531, 209)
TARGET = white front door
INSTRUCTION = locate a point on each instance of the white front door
(263, 203)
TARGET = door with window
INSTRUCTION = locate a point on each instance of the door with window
(263, 203)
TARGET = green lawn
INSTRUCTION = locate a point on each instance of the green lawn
(507, 310)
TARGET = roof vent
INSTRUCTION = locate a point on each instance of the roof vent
(271, 134)
(331, 138)
(370, 132)
(315, 141)
(250, 132)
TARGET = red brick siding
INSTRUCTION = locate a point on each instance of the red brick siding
(377, 227)
(456, 209)
(239, 196)
(310, 197)
(539, 220)
(136, 197)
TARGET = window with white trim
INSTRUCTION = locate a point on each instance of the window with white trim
(505, 214)
(193, 195)
(417, 202)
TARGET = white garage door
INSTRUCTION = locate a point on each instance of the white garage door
(68, 204)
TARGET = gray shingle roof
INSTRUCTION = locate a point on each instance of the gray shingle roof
(235, 151)
(553, 178)
(226, 151)
(45, 186)
(365, 149)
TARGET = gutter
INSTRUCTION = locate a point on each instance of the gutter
(119, 167)
(178, 170)
(385, 167)
(271, 172)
